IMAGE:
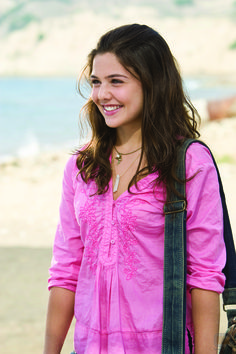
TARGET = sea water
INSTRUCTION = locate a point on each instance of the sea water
(42, 114)
(38, 114)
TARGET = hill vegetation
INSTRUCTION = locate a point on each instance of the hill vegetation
(17, 14)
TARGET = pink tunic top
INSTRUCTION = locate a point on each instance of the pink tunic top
(111, 254)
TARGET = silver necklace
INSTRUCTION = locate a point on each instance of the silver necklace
(118, 176)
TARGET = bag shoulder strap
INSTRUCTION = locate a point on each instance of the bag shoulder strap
(175, 269)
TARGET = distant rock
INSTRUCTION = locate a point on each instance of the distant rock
(224, 108)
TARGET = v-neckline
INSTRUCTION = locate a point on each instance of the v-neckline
(126, 191)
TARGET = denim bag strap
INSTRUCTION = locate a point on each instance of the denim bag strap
(174, 292)
(174, 297)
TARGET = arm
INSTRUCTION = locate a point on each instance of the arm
(64, 270)
(205, 248)
(206, 313)
(59, 316)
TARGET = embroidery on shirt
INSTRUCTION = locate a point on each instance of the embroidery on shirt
(88, 214)
(127, 240)
(98, 241)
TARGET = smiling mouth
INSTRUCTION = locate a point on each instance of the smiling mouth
(111, 108)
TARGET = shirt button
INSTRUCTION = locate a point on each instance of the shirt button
(112, 242)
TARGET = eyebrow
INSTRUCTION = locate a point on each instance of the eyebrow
(109, 76)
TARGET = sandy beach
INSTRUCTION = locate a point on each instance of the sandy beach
(30, 188)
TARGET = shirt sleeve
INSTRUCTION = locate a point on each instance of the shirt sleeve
(68, 247)
(206, 253)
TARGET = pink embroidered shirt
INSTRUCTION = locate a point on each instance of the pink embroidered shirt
(110, 253)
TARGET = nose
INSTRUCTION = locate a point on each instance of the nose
(104, 92)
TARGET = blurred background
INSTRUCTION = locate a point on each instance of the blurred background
(43, 46)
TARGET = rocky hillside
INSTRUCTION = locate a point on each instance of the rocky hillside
(16, 14)
(53, 37)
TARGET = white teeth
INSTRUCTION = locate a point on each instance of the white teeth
(111, 108)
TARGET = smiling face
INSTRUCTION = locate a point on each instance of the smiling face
(116, 92)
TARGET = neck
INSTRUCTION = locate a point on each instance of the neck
(128, 141)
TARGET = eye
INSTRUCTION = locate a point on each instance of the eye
(94, 82)
(116, 81)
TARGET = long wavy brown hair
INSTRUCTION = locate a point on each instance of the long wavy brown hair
(168, 115)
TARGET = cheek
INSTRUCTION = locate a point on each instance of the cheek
(94, 95)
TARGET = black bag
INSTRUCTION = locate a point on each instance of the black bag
(229, 342)
(175, 268)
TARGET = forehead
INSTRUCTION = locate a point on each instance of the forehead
(107, 64)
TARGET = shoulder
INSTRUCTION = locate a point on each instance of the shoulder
(71, 170)
(71, 164)
(198, 158)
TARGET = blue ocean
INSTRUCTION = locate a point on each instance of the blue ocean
(42, 114)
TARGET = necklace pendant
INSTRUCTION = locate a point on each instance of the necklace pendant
(116, 185)
(118, 158)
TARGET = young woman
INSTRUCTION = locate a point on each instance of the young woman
(107, 266)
